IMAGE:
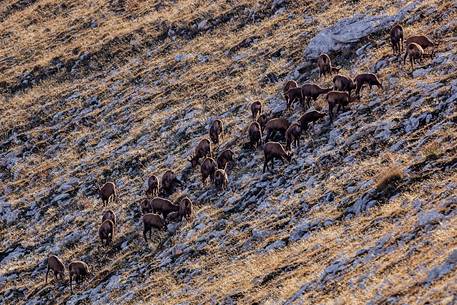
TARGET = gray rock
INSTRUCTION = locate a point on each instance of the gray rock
(429, 217)
(275, 245)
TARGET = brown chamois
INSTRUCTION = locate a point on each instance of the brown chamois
(215, 131)
(57, 267)
(153, 186)
(225, 157)
(106, 232)
(255, 134)
(342, 99)
(163, 206)
(79, 270)
(310, 117)
(109, 215)
(288, 85)
(220, 180)
(276, 125)
(415, 53)
(366, 78)
(343, 83)
(293, 135)
(151, 221)
(185, 208)
(396, 39)
(256, 109)
(293, 95)
(325, 65)
(274, 150)
(423, 41)
(262, 120)
(312, 92)
(107, 193)
(202, 150)
(145, 207)
(169, 182)
(208, 168)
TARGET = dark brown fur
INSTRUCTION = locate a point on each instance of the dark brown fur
(312, 92)
(215, 131)
(343, 83)
(366, 78)
(274, 150)
(208, 168)
(293, 95)
(169, 182)
(256, 109)
(293, 135)
(255, 134)
(162, 206)
(334, 98)
(151, 221)
(225, 157)
(325, 65)
(262, 120)
(79, 270)
(106, 232)
(310, 117)
(220, 179)
(57, 267)
(109, 215)
(415, 53)
(153, 186)
(396, 39)
(202, 150)
(108, 193)
(276, 125)
(423, 41)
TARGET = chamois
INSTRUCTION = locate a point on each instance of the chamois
(325, 65)
(169, 182)
(208, 168)
(107, 193)
(276, 125)
(288, 85)
(343, 83)
(255, 134)
(423, 41)
(109, 215)
(310, 117)
(106, 232)
(215, 131)
(225, 157)
(293, 134)
(79, 270)
(262, 120)
(185, 207)
(274, 150)
(151, 221)
(311, 92)
(294, 94)
(220, 179)
(57, 267)
(202, 150)
(415, 53)
(162, 206)
(396, 38)
(153, 186)
(341, 99)
(366, 78)
(256, 109)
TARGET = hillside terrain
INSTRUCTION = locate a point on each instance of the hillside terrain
(117, 90)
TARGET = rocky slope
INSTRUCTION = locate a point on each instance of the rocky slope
(94, 91)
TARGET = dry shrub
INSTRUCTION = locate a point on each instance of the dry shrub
(389, 178)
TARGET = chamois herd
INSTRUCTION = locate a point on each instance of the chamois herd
(158, 211)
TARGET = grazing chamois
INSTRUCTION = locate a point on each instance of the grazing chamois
(57, 267)
(151, 221)
(169, 182)
(342, 99)
(162, 206)
(220, 179)
(208, 168)
(224, 158)
(423, 41)
(366, 78)
(274, 150)
(310, 117)
(79, 270)
(294, 94)
(202, 150)
(276, 125)
(109, 215)
(288, 85)
(106, 232)
(262, 120)
(343, 83)
(415, 53)
(311, 92)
